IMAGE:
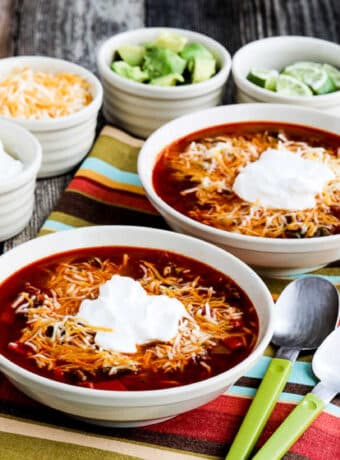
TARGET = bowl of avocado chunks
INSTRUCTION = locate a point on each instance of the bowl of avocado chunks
(155, 74)
(170, 60)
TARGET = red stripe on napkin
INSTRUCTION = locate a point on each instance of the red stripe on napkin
(99, 192)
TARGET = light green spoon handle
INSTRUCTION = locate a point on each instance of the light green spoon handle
(292, 428)
(260, 409)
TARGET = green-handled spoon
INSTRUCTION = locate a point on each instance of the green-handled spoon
(326, 366)
(306, 312)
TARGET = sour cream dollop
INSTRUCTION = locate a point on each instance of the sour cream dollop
(280, 179)
(9, 167)
(135, 317)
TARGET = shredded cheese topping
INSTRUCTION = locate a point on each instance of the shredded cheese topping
(61, 342)
(25, 93)
(212, 164)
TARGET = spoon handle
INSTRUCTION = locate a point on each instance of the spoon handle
(292, 428)
(260, 409)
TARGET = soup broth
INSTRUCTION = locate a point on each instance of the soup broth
(39, 329)
(195, 175)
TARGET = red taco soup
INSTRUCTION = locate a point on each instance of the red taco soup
(263, 179)
(125, 318)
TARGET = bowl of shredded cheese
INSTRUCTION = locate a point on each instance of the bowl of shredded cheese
(56, 100)
(20, 160)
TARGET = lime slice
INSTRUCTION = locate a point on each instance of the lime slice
(334, 74)
(303, 65)
(319, 81)
(265, 78)
(300, 70)
(290, 86)
(313, 75)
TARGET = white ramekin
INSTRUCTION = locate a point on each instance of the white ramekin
(17, 194)
(276, 53)
(65, 140)
(140, 108)
(133, 408)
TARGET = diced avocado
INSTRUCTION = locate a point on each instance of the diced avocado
(132, 72)
(162, 61)
(169, 55)
(200, 61)
(132, 54)
(167, 80)
(171, 41)
(203, 69)
(193, 50)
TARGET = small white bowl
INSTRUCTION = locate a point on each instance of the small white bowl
(276, 53)
(142, 108)
(135, 408)
(270, 256)
(64, 140)
(17, 194)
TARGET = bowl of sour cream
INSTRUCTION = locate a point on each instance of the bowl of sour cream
(20, 160)
(260, 180)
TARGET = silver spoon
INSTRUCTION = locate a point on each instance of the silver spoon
(326, 365)
(306, 312)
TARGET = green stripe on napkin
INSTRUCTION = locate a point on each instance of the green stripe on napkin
(18, 447)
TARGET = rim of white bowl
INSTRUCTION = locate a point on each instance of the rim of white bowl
(147, 395)
(75, 118)
(30, 170)
(169, 92)
(262, 94)
(261, 243)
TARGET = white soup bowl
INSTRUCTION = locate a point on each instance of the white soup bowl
(134, 408)
(270, 256)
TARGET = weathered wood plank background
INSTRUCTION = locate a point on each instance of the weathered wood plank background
(73, 30)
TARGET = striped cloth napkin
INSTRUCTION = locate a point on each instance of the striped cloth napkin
(106, 190)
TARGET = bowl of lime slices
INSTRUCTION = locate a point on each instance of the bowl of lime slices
(155, 74)
(296, 70)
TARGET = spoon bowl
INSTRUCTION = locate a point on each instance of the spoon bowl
(306, 312)
(326, 361)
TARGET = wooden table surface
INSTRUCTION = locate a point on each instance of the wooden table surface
(73, 29)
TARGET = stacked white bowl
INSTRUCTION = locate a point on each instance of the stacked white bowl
(17, 193)
(141, 108)
(65, 140)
